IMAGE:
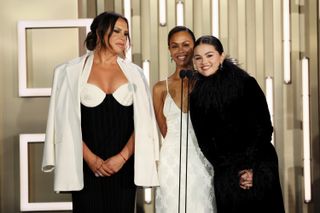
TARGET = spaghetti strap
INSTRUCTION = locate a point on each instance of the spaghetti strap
(167, 86)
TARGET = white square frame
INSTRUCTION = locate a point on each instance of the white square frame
(25, 205)
(22, 57)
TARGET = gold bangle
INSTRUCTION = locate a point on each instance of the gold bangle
(122, 156)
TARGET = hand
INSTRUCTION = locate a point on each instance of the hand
(95, 164)
(112, 165)
(246, 179)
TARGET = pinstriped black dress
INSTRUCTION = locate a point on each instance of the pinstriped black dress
(107, 124)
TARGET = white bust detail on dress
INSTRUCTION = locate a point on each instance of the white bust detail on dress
(91, 95)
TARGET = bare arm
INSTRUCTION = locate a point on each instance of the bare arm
(158, 103)
(113, 164)
(94, 162)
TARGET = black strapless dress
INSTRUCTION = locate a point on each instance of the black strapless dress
(106, 129)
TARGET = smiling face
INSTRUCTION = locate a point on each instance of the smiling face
(119, 38)
(181, 48)
(207, 59)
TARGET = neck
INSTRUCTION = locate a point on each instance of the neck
(105, 56)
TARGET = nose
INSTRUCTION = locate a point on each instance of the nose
(180, 49)
(203, 61)
(123, 36)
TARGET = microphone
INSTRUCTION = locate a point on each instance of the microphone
(186, 73)
(189, 74)
(183, 73)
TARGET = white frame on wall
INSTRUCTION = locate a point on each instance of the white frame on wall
(22, 60)
(25, 205)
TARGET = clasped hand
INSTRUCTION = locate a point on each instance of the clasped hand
(108, 167)
(246, 179)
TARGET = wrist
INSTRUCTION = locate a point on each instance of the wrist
(98, 163)
(123, 157)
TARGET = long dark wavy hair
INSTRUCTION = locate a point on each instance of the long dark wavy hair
(100, 26)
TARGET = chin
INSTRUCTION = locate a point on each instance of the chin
(204, 73)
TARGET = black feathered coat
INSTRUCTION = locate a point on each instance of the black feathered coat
(232, 123)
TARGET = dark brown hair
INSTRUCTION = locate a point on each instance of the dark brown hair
(100, 26)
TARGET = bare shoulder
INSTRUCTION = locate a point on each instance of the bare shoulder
(159, 87)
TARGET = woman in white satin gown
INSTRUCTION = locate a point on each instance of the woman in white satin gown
(200, 195)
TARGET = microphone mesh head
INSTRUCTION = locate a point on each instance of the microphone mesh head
(183, 73)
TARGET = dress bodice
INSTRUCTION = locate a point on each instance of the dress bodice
(172, 113)
(91, 95)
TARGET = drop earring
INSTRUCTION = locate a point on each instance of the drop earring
(220, 66)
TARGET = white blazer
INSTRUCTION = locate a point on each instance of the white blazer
(63, 144)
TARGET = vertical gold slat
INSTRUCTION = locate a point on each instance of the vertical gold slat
(188, 13)
(205, 15)
(197, 18)
(136, 32)
(278, 90)
(233, 29)
(154, 36)
(268, 38)
(259, 42)
(224, 30)
(242, 44)
(118, 6)
(251, 37)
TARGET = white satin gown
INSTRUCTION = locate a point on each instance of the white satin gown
(200, 173)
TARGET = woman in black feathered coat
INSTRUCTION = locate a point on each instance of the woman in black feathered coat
(232, 123)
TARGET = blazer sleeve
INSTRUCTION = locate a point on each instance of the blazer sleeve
(48, 160)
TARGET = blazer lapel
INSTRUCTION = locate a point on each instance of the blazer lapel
(74, 74)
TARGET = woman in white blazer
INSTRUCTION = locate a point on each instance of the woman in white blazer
(101, 137)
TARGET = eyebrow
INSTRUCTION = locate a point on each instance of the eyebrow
(184, 42)
(204, 54)
(119, 28)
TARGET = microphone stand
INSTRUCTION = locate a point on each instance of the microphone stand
(189, 74)
(182, 75)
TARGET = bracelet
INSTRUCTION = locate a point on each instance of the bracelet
(122, 156)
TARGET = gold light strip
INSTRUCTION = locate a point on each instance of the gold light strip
(180, 14)
(269, 97)
(215, 18)
(306, 130)
(163, 12)
(286, 42)
(146, 70)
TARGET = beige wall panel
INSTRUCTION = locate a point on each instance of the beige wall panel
(268, 37)
(197, 19)
(224, 23)
(136, 32)
(21, 115)
(118, 6)
(251, 37)
(43, 56)
(188, 8)
(233, 29)
(242, 33)
(260, 57)
(154, 37)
